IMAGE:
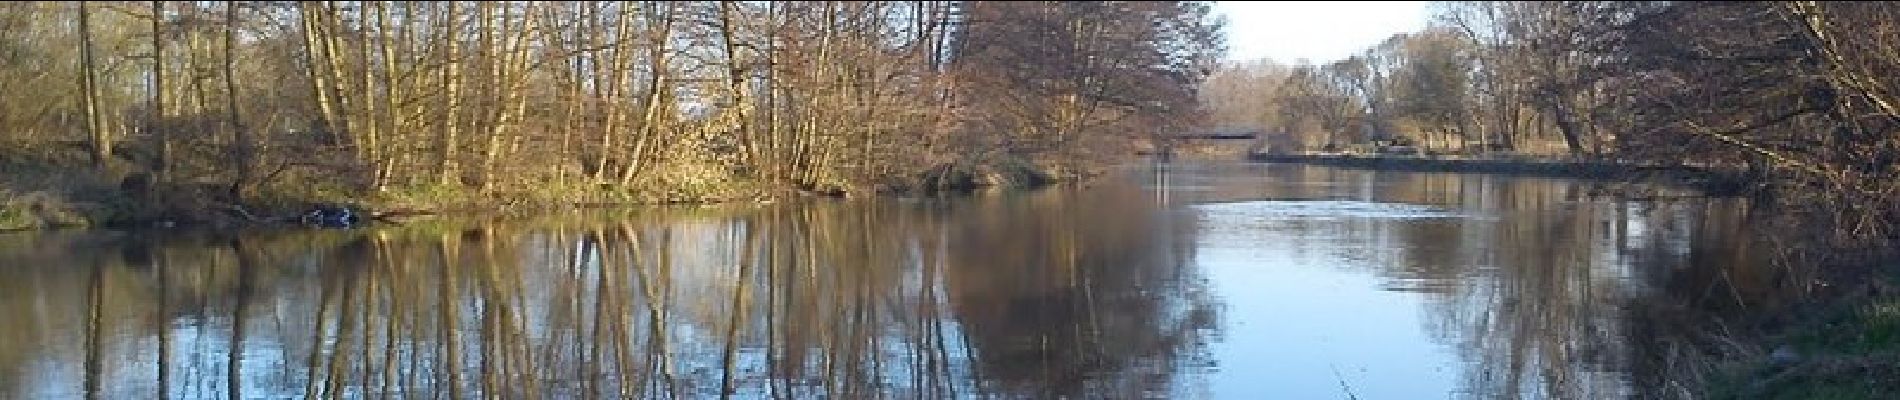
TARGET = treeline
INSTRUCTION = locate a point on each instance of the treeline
(359, 98)
(1800, 94)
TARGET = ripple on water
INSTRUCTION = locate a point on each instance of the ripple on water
(1322, 209)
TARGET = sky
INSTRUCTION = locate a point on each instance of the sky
(1319, 31)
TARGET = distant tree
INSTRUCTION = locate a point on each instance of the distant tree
(1070, 76)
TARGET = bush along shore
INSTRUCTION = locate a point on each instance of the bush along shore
(43, 196)
(1842, 348)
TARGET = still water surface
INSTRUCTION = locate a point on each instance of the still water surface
(1185, 281)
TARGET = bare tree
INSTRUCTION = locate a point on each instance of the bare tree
(88, 86)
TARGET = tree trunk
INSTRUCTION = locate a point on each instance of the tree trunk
(1559, 109)
(451, 81)
(332, 58)
(656, 80)
(511, 77)
(616, 76)
(370, 148)
(319, 81)
(735, 76)
(246, 149)
(95, 129)
(161, 164)
(385, 160)
(492, 89)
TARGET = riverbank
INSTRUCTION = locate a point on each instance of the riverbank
(1843, 345)
(41, 192)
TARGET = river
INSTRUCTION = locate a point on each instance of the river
(1216, 280)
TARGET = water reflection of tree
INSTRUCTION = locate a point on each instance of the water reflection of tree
(1545, 292)
(1061, 301)
(1544, 324)
(1556, 295)
(831, 300)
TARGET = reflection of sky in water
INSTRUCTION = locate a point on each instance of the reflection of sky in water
(1303, 317)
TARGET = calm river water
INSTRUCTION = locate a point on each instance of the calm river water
(1186, 281)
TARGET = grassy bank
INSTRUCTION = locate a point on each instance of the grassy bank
(1844, 347)
(47, 190)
